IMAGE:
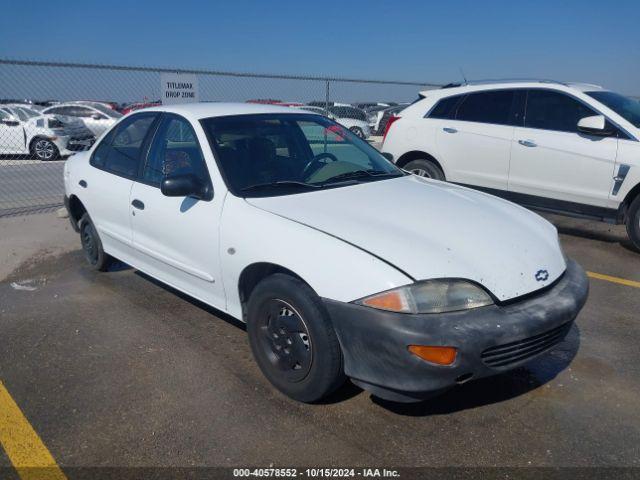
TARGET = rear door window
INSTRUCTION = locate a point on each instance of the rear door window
(121, 150)
(444, 108)
(487, 107)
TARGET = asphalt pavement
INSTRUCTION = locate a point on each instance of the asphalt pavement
(115, 369)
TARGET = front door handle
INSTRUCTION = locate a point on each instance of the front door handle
(138, 204)
(450, 130)
(527, 143)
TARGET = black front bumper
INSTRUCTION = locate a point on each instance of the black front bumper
(489, 340)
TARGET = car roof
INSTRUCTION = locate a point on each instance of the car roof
(214, 109)
(499, 84)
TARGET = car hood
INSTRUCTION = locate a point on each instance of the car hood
(431, 229)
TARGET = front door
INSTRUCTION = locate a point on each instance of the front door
(552, 159)
(176, 238)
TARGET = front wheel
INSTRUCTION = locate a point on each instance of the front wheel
(633, 223)
(425, 168)
(292, 339)
(44, 149)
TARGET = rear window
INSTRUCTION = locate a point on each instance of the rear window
(444, 107)
(487, 107)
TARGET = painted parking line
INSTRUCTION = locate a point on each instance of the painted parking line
(609, 278)
(23, 446)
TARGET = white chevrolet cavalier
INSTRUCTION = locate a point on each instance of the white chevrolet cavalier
(341, 264)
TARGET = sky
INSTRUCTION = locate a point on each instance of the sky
(588, 41)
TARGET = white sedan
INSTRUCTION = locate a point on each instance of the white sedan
(341, 264)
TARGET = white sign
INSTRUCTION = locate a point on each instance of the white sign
(178, 88)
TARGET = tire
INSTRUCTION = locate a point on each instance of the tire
(92, 245)
(633, 223)
(358, 132)
(292, 339)
(425, 168)
(44, 149)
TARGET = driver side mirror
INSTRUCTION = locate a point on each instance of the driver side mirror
(97, 116)
(186, 185)
(595, 125)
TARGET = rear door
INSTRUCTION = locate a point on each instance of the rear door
(552, 159)
(176, 239)
(474, 143)
(115, 164)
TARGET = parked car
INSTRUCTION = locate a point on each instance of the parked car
(24, 131)
(406, 297)
(356, 126)
(565, 148)
(383, 117)
(96, 117)
(139, 106)
(351, 117)
(109, 105)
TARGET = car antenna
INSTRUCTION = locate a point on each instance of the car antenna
(463, 77)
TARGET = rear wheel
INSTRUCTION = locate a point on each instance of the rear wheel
(292, 339)
(92, 246)
(633, 223)
(44, 149)
(425, 168)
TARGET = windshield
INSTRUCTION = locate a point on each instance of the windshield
(107, 111)
(626, 107)
(28, 113)
(281, 154)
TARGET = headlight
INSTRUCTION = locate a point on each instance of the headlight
(430, 296)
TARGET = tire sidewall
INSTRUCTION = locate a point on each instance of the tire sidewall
(101, 262)
(325, 372)
(633, 223)
(435, 172)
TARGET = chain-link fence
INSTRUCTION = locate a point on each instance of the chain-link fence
(51, 110)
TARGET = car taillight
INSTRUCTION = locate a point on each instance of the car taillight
(392, 119)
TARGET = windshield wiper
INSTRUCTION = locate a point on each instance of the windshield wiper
(279, 183)
(360, 174)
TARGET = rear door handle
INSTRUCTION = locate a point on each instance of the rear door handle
(138, 204)
(82, 183)
(450, 130)
(527, 143)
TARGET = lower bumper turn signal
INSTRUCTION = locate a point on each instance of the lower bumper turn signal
(437, 355)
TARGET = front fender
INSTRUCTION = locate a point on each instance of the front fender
(333, 268)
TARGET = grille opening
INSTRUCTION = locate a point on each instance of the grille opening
(464, 378)
(520, 350)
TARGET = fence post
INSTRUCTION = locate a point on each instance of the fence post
(326, 98)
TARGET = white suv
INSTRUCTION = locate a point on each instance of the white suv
(565, 148)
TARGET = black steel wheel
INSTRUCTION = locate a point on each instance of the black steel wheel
(292, 338)
(285, 339)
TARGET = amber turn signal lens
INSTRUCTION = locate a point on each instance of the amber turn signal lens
(437, 355)
(391, 301)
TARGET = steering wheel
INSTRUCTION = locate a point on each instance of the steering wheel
(316, 164)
